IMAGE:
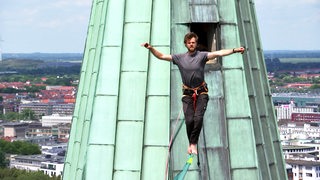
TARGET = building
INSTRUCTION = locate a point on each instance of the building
(29, 163)
(305, 116)
(54, 149)
(291, 152)
(314, 144)
(296, 130)
(17, 130)
(51, 165)
(8, 107)
(54, 146)
(10, 103)
(298, 85)
(300, 99)
(304, 161)
(40, 140)
(45, 109)
(59, 132)
(52, 168)
(63, 109)
(284, 111)
(40, 109)
(58, 94)
(304, 170)
(55, 119)
(37, 130)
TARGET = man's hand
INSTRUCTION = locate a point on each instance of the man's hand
(157, 53)
(240, 50)
(146, 45)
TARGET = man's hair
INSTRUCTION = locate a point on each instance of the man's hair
(190, 35)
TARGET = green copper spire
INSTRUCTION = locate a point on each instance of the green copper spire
(128, 102)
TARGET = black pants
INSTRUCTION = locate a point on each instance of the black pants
(194, 118)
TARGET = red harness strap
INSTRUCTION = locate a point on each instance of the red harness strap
(194, 97)
(195, 93)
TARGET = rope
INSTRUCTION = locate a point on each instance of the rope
(172, 138)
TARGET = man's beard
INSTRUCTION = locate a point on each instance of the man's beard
(192, 49)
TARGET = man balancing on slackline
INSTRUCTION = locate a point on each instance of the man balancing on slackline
(195, 92)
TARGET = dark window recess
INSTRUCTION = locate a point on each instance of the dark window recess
(209, 40)
(208, 33)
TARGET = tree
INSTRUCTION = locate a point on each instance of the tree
(3, 161)
(33, 175)
(315, 86)
(9, 90)
(34, 88)
(17, 174)
(28, 114)
(19, 147)
(11, 116)
(29, 149)
(9, 148)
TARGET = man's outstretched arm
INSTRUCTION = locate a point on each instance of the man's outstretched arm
(157, 53)
(225, 52)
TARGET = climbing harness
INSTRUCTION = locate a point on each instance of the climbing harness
(194, 92)
(183, 172)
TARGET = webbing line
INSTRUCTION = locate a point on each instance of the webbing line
(172, 138)
(183, 172)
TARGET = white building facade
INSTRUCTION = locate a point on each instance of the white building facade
(55, 119)
(52, 168)
(305, 170)
(50, 165)
(285, 111)
(298, 131)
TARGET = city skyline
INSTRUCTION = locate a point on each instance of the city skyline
(61, 26)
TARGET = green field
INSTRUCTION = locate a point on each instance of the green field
(19, 64)
(299, 60)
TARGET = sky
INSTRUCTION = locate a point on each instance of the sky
(60, 26)
(289, 24)
(48, 26)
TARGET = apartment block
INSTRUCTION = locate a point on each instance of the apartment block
(51, 165)
(305, 170)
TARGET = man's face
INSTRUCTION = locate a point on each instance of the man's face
(191, 44)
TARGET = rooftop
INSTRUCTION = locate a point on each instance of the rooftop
(41, 158)
(302, 162)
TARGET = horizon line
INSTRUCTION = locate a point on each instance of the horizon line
(82, 52)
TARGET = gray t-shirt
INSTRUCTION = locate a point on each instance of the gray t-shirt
(191, 67)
